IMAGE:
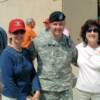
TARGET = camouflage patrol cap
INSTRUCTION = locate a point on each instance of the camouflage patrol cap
(57, 16)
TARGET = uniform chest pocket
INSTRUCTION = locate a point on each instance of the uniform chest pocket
(61, 52)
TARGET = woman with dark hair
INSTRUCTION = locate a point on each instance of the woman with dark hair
(88, 83)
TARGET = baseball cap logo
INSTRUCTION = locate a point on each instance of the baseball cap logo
(60, 16)
(18, 23)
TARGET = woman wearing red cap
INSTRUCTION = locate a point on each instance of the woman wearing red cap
(18, 73)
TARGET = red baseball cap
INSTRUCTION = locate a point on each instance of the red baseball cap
(15, 25)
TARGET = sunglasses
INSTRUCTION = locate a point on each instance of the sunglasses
(22, 32)
(93, 30)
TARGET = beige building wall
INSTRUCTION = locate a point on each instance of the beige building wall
(38, 9)
(77, 12)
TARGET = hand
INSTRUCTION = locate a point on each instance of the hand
(36, 96)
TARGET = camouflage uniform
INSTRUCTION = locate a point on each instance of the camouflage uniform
(54, 69)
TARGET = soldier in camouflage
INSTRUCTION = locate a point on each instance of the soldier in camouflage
(56, 52)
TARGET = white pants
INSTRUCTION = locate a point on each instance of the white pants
(7, 98)
(82, 95)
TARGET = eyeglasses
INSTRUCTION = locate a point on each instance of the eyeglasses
(19, 32)
(93, 29)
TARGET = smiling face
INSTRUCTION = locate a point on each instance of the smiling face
(92, 36)
(57, 28)
(17, 37)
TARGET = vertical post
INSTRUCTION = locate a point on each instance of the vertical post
(98, 9)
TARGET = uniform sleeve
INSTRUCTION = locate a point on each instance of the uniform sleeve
(7, 70)
(75, 56)
(74, 52)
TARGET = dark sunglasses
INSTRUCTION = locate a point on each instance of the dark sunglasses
(22, 32)
(94, 30)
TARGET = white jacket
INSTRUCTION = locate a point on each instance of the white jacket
(89, 69)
